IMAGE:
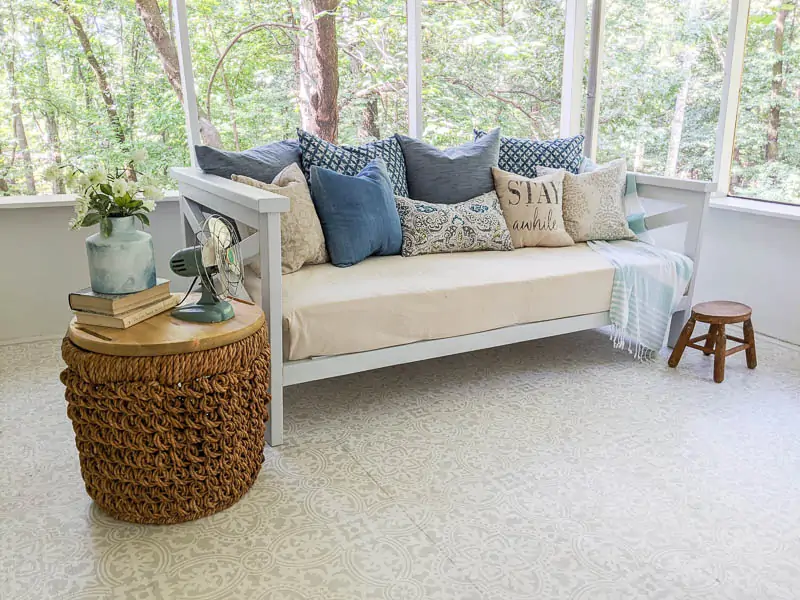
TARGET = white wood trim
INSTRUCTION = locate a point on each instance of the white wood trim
(572, 73)
(300, 371)
(187, 77)
(731, 90)
(58, 200)
(269, 231)
(673, 183)
(249, 246)
(414, 32)
(665, 219)
(762, 208)
(593, 84)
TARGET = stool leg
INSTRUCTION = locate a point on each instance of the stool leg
(720, 344)
(712, 336)
(680, 345)
(750, 338)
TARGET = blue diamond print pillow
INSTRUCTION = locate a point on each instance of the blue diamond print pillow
(351, 160)
(522, 155)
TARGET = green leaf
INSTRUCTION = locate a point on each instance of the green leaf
(143, 218)
(106, 189)
(105, 227)
(91, 219)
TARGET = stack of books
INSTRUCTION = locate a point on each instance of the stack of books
(123, 310)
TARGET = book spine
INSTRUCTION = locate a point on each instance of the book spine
(148, 312)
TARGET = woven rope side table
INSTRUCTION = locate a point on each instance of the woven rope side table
(169, 420)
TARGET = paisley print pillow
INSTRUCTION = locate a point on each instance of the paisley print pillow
(476, 224)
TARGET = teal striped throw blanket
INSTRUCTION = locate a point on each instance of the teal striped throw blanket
(648, 284)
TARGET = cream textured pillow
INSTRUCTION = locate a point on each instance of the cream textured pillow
(532, 208)
(593, 208)
(302, 241)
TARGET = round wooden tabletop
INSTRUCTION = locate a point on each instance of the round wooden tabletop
(722, 312)
(164, 334)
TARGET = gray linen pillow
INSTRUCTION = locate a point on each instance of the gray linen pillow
(450, 176)
(263, 163)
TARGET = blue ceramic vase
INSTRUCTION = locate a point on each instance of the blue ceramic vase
(123, 262)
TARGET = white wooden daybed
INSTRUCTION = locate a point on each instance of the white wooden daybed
(325, 321)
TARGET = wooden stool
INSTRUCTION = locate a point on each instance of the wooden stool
(717, 315)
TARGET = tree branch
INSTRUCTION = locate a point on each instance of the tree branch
(232, 43)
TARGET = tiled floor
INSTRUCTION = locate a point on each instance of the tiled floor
(553, 469)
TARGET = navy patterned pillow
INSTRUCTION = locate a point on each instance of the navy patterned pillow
(351, 160)
(522, 155)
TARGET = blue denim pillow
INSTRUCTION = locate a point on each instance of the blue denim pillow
(358, 214)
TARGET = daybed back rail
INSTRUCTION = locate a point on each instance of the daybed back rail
(201, 193)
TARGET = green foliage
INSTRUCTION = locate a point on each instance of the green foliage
(485, 63)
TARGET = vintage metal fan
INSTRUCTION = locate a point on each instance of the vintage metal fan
(216, 261)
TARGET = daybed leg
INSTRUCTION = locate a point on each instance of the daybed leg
(676, 327)
(269, 243)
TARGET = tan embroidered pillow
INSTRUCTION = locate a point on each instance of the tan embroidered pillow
(532, 208)
(302, 241)
(593, 206)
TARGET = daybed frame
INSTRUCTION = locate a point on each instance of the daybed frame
(201, 193)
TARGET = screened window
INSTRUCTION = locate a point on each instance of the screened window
(80, 81)
(661, 83)
(490, 63)
(766, 154)
(276, 67)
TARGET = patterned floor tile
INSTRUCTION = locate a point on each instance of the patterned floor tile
(553, 469)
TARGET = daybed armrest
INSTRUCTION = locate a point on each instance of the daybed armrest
(193, 183)
(202, 193)
(689, 200)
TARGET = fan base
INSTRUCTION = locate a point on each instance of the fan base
(205, 313)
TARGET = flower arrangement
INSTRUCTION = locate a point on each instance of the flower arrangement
(106, 194)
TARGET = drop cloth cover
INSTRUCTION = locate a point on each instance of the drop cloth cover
(391, 300)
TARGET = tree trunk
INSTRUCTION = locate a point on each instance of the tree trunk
(676, 128)
(772, 149)
(638, 157)
(50, 117)
(679, 115)
(17, 124)
(319, 69)
(368, 127)
(735, 180)
(97, 68)
(168, 54)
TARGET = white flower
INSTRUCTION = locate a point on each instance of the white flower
(70, 178)
(97, 175)
(149, 205)
(52, 173)
(82, 204)
(83, 181)
(139, 156)
(152, 193)
(119, 188)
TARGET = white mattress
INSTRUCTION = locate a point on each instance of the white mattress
(388, 301)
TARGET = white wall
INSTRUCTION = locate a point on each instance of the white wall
(42, 261)
(749, 258)
(754, 259)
